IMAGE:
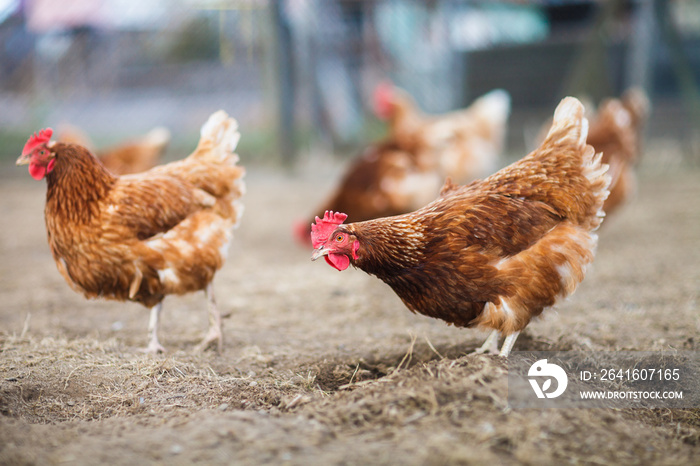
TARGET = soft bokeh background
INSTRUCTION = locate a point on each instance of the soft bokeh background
(321, 367)
(298, 74)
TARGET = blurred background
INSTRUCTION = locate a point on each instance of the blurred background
(298, 74)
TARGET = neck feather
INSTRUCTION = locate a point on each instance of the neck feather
(77, 182)
(388, 246)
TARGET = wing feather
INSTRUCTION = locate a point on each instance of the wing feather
(145, 207)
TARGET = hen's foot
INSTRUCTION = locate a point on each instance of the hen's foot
(214, 334)
(153, 348)
(213, 339)
(490, 346)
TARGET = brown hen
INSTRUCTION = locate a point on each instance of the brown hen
(463, 144)
(405, 171)
(144, 236)
(616, 131)
(495, 253)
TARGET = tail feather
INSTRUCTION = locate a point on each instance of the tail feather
(494, 106)
(158, 137)
(564, 172)
(569, 126)
(599, 186)
(212, 166)
(219, 137)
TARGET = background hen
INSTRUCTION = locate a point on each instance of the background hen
(141, 237)
(495, 253)
(132, 156)
(616, 131)
(465, 143)
(405, 171)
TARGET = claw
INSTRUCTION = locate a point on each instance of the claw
(490, 346)
(213, 336)
(153, 348)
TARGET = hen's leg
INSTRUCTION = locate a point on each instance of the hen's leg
(214, 334)
(508, 344)
(491, 344)
(154, 346)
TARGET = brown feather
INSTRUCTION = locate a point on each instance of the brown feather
(496, 252)
(616, 131)
(405, 171)
(140, 237)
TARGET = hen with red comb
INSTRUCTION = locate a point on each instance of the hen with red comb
(495, 253)
(144, 236)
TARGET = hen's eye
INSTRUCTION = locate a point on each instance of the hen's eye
(339, 238)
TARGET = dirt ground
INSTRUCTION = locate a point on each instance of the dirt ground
(322, 367)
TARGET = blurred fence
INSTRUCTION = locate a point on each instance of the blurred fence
(299, 73)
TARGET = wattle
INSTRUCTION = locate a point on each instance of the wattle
(38, 172)
(339, 261)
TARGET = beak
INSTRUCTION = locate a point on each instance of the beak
(23, 159)
(318, 253)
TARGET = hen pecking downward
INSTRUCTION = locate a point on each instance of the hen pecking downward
(495, 253)
(144, 236)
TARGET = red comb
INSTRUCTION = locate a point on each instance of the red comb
(322, 229)
(37, 139)
(382, 98)
(301, 232)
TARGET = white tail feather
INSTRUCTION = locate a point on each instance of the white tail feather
(494, 106)
(569, 119)
(158, 136)
(221, 131)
